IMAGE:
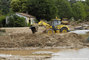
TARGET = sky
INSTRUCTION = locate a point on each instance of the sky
(79, 0)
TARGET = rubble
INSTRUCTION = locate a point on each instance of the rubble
(41, 40)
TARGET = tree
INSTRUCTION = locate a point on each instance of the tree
(79, 10)
(0, 12)
(4, 6)
(2, 21)
(16, 21)
(86, 5)
(87, 2)
(64, 8)
(43, 9)
(19, 5)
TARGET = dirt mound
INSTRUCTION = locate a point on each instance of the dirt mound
(41, 40)
(72, 39)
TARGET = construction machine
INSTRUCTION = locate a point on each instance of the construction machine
(34, 28)
(55, 26)
(65, 21)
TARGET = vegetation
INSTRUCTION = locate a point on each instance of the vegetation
(4, 6)
(79, 10)
(47, 9)
(64, 8)
(16, 21)
(2, 21)
(19, 5)
(42, 9)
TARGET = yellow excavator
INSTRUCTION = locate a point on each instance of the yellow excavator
(55, 26)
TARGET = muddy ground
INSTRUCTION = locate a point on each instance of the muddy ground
(71, 40)
(15, 40)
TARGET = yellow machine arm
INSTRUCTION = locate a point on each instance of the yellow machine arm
(43, 23)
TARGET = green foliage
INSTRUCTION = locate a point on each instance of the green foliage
(47, 9)
(16, 21)
(4, 6)
(87, 2)
(0, 12)
(79, 10)
(43, 9)
(2, 21)
(64, 8)
(86, 5)
(19, 5)
(28, 24)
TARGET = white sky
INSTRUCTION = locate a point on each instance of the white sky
(79, 0)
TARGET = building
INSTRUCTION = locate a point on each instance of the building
(29, 18)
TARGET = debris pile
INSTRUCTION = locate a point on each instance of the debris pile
(42, 40)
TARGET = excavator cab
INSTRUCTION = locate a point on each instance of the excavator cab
(57, 27)
(56, 22)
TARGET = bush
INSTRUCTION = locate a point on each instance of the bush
(28, 24)
(16, 21)
(2, 21)
(2, 30)
(79, 11)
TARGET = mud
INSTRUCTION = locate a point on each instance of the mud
(58, 54)
(72, 40)
(25, 39)
(27, 54)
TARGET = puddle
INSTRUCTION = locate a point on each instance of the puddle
(81, 54)
(30, 52)
(52, 54)
(80, 31)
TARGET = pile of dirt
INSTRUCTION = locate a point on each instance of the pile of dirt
(42, 40)
(71, 40)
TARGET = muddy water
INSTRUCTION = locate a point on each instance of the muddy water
(28, 52)
(58, 54)
(79, 54)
